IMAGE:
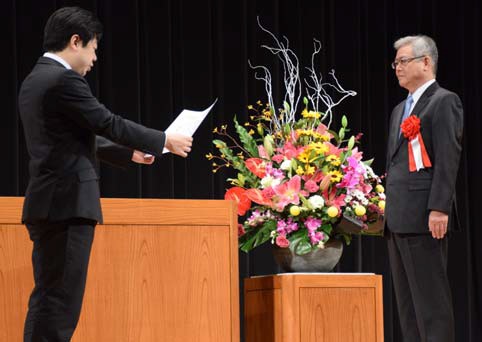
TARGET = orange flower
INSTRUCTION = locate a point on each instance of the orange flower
(256, 166)
(238, 194)
(257, 196)
(410, 127)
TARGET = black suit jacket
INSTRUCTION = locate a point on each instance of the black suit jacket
(61, 120)
(412, 195)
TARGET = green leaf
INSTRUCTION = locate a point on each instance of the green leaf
(341, 134)
(248, 141)
(236, 162)
(303, 247)
(305, 100)
(335, 135)
(344, 121)
(305, 202)
(368, 162)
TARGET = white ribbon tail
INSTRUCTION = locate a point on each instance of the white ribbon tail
(417, 153)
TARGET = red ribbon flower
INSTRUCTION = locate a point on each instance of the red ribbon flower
(417, 153)
(410, 127)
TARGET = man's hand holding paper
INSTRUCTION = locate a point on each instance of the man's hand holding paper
(184, 125)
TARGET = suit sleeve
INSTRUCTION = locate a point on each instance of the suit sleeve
(447, 128)
(75, 99)
(112, 153)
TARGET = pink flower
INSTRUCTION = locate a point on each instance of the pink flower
(262, 152)
(278, 158)
(353, 174)
(333, 149)
(241, 230)
(316, 237)
(311, 186)
(288, 192)
(268, 192)
(312, 224)
(332, 199)
(282, 241)
(289, 150)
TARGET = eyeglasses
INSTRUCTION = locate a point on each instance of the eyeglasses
(404, 61)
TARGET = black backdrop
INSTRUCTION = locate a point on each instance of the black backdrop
(158, 57)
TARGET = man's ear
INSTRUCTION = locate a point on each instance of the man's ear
(75, 42)
(427, 62)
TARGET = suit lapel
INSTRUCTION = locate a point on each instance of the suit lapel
(395, 127)
(419, 106)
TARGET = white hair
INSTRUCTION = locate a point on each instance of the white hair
(421, 46)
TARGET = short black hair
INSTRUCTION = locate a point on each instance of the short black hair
(67, 21)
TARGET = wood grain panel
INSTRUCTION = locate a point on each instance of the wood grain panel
(16, 280)
(337, 315)
(173, 276)
(142, 211)
(156, 284)
(263, 316)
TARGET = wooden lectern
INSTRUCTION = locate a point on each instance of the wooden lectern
(314, 307)
(160, 270)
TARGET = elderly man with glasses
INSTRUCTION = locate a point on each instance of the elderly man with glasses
(423, 154)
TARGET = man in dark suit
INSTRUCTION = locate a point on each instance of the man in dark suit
(66, 130)
(422, 164)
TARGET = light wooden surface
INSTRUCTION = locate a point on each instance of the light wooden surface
(151, 278)
(314, 308)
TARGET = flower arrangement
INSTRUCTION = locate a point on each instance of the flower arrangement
(297, 180)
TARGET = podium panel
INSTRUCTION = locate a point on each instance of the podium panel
(160, 270)
(314, 307)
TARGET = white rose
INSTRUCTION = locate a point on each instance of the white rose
(268, 181)
(286, 165)
(316, 201)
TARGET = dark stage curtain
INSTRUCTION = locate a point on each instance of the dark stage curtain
(158, 57)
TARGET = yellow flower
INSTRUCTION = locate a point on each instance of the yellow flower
(246, 123)
(381, 205)
(325, 137)
(380, 189)
(333, 160)
(260, 129)
(295, 210)
(319, 147)
(215, 130)
(309, 170)
(360, 210)
(251, 132)
(332, 211)
(310, 114)
(336, 176)
(250, 107)
(209, 156)
(300, 171)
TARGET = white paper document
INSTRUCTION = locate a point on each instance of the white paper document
(187, 122)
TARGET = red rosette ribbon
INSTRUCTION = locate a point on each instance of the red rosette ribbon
(417, 153)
